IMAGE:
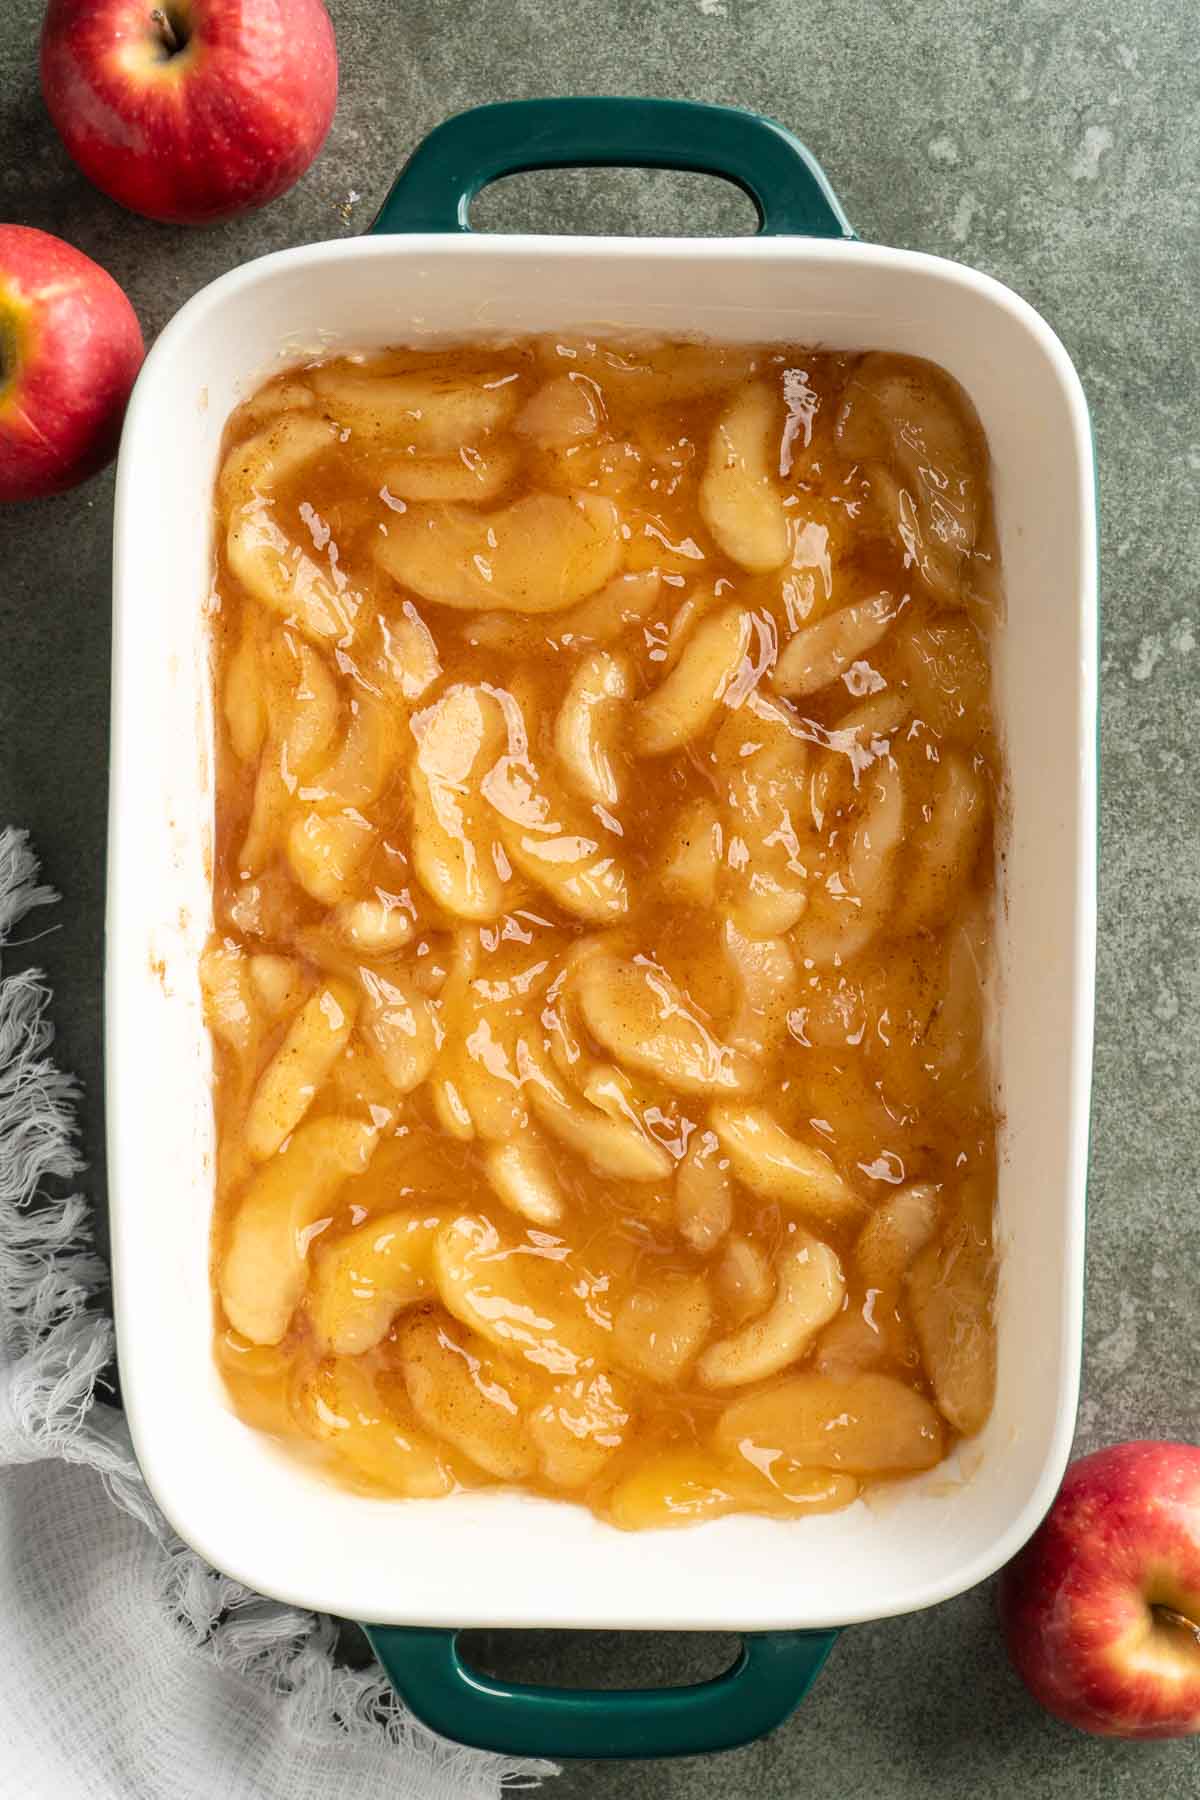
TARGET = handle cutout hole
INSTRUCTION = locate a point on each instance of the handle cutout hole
(615, 203)
(600, 1659)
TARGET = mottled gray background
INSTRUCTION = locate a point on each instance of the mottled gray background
(1050, 142)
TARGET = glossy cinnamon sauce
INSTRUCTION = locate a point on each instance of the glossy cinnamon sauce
(607, 785)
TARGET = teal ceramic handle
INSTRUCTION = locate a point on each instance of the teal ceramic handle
(435, 189)
(766, 1684)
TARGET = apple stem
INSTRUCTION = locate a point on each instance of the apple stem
(1169, 1616)
(166, 31)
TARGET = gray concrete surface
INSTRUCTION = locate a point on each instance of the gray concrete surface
(1050, 142)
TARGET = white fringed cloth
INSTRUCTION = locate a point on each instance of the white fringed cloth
(129, 1669)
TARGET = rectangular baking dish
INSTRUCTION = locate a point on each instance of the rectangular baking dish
(495, 1559)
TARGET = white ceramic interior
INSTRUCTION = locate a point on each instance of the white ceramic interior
(507, 1559)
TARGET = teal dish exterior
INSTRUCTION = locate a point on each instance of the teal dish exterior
(433, 193)
(764, 1687)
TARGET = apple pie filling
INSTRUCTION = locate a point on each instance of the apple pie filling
(603, 913)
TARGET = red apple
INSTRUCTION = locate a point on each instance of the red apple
(1101, 1609)
(190, 110)
(70, 349)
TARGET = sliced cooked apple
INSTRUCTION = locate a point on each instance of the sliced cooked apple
(457, 738)
(432, 414)
(261, 1274)
(288, 1085)
(872, 1425)
(363, 1279)
(809, 1293)
(637, 1012)
(950, 1289)
(917, 432)
(464, 1396)
(539, 555)
(703, 1193)
(660, 1326)
(585, 726)
(340, 1402)
(617, 1146)
(326, 852)
(581, 1427)
(777, 1166)
(739, 501)
(470, 478)
(685, 704)
(479, 1281)
(820, 653)
(562, 412)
